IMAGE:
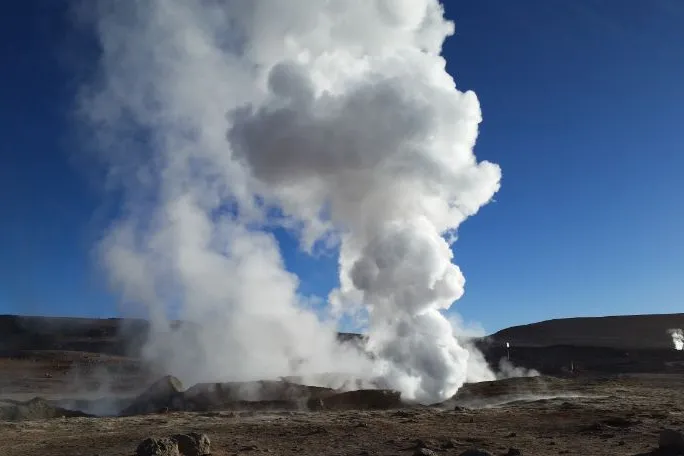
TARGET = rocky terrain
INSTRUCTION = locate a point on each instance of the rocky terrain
(77, 387)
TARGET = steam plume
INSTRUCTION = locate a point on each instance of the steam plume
(677, 338)
(337, 120)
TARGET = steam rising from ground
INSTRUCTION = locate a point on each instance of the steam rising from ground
(218, 120)
(677, 338)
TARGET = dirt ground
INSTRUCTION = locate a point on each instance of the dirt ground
(599, 409)
(597, 416)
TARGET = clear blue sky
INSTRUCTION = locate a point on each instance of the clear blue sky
(583, 104)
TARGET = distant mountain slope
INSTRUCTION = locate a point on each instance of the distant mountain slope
(126, 336)
(628, 331)
(112, 336)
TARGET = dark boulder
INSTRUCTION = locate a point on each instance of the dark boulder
(157, 447)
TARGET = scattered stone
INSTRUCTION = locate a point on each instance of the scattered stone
(193, 444)
(249, 448)
(671, 440)
(513, 452)
(157, 447)
(512, 434)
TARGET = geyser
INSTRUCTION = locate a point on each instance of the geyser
(337, 120)
(677, 338)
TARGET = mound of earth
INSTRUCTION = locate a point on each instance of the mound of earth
(257, 395)
(165, 393)
(35, 409)
(362, 400)
(510, 389)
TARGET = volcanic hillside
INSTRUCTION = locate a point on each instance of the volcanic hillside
(625, 332)
(637, 343)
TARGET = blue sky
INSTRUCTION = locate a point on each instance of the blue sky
(583, 103)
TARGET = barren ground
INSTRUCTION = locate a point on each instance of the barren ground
(609, 416)
(619, 410)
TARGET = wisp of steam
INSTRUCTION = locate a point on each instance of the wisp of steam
(677, 338)
(219, 121)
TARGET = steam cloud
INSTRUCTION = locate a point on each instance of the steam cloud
(677, 338)
(219, 120)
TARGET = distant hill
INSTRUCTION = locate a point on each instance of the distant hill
(622, 332)
(117, 336)
(111, 336)
(635, 343)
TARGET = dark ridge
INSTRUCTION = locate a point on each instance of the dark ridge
(617, 332)
(111, 336)
(635, 343)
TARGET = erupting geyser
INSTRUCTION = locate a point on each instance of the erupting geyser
(677, 338)
(219, 120)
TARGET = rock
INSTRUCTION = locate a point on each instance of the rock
(448, 444)
(192, 444)
(424, 452)
(513, 452)
(475, 452)
(420, 443)
(157, 447)
(671, 440)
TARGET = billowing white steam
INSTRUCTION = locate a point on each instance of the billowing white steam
(677, 338)
(335, 119)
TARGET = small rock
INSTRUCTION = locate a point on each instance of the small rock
(514, 452)
(424, 452)
(512, 434)
(192, 444)
(419, 443)
(448, 444)
(619, 422)
(475, 452)
(671, 440)
(249, 448)
(157, 447)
